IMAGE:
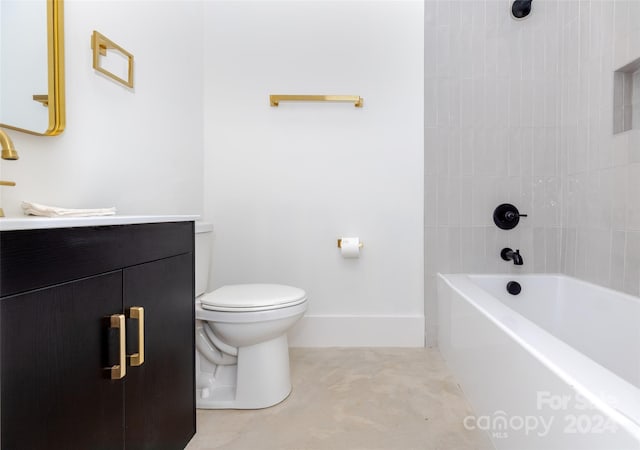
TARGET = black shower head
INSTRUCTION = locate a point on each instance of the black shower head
(521, 8)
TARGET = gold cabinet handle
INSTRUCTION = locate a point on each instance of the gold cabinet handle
(120, 370)
(137, 312)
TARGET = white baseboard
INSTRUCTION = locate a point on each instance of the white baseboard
(358, 331)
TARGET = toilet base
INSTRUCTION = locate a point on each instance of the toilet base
(260, 379)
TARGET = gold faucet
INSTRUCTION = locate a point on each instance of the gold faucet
(5, 183)
(8, 150)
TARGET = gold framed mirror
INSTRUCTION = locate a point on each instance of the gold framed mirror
(32, 66)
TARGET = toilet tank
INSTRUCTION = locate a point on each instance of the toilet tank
(203, 238)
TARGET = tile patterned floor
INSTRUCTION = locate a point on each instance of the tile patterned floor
(352, 399)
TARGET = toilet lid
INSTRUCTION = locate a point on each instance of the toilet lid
(252, 297)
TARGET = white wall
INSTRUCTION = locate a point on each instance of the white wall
(140, 150)
(282, 184)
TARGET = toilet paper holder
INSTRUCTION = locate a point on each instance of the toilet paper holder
(360, 245)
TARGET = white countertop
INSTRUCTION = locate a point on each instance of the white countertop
(37, 223)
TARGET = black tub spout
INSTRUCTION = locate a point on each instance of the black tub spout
(509, 255)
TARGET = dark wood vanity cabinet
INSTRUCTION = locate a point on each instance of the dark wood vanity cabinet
(58, 289)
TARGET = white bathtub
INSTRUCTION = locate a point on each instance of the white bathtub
(555, 367)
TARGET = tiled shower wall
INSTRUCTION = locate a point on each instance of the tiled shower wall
(492, 135)
(601, 201)
(522, 111)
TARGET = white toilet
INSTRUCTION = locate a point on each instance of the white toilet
(242, 354)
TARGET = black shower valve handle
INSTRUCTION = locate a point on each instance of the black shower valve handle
(512, 215)
(506, 216)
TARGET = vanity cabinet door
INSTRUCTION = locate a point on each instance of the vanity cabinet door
(56, 393)
(160, 394)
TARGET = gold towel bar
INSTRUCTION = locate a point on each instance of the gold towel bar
(100, 45)
(275, 99)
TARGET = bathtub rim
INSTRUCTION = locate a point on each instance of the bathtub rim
(585, 375)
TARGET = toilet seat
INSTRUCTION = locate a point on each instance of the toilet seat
(252, 297)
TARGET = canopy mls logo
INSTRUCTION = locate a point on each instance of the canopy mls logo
(499, 424)
(580, 417)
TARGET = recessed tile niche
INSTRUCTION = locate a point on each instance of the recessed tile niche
(626, 97)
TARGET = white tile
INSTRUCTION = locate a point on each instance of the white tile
(538, 102)
(443, 56)
(621, 17)
(454, 153)
(430, 102)
(444, 102)
(552, 196)
(538, 213)
(606, 200)
(444, 201)
(466, 152)
(430, 51)
(494, 243)
(455, 255)
(527, 46)
(539, 250)
(443, 151)
(430, 200)
(527, 149)
(491, 57)
(466, 103)
(478, 104)
(515, 103)
(478, 250)
(569, 252)
(621, 50)
(619, 189)
(496, 152)
(501, 100)
(478, 53)
(552, 250)
(616, 272)
(479, 200)
(632, 263)
(466, 200)
(620, 149)
(634, 15)
(634, 140)
(633, 199)
(431, 250)
(527, 96)
(634, 43)
(493, 9)
(551, 96)
(525, 203)
(515, 152)
(601, 256)
(443, 13)
(431, 143)
(455, 112)
(582, 241)
(477, 14)
(540, 162)
(455, 212)
(430, 13)
(442, 250)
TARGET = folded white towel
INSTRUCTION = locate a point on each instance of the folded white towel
(36, 209)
